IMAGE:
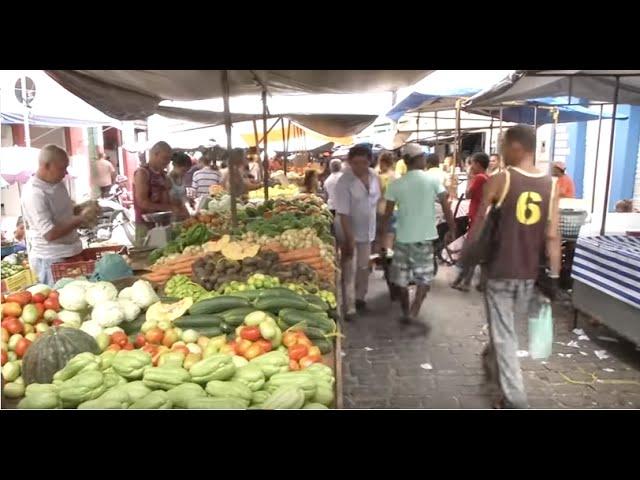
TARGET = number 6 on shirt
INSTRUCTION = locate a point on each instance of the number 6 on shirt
(527, 208)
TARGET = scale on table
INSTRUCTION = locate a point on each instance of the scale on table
(159, 235)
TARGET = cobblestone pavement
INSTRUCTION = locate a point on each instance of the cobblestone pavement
(389, 366)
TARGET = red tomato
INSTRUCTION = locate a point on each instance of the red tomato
(128, 346)
(265, 345)
(242, 346)
(11, 309)
(315, 351)
(181, 348)
(307, 361)
(293, 365)
(140, 340)
(41, 309)
(119, 338)
(52, 304)
(150, 349)
(296, 352)
(13, 325)
(289, 339)
(250, 333)
(54, 294)
(154, 335)
(57, 322)
(253, 351)
(21, 298)
(115, 347)
(38, 298)
(305, 341)
(22, 346)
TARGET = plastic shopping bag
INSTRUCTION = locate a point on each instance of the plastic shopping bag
(541, 329)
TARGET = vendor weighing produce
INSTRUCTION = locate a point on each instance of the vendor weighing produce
(51, 219)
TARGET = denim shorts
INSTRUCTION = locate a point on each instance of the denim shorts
(42, 267)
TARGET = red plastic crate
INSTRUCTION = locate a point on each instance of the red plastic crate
(84, 263)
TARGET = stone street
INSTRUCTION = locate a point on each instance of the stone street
(386, 365)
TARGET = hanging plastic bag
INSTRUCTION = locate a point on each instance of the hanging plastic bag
(540, 329)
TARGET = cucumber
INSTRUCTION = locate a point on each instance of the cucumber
(218, 304)
(292, 316)
(316, 300)
(247, 294)
(226, 328)
(275, 304)
(235, 316)
(324, 344)
(170, 299)
(312, 332)
(133, 327)
(198, 321)
(209, 331)
(277, 292)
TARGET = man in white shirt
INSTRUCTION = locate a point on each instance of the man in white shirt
(206, 176)
(330, 183)
(50, 216)
(356, 197)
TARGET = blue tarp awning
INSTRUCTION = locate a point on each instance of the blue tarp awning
(424, 102)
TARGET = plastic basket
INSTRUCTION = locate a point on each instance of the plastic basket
(82, 264)
(19, 281)
(570, 223)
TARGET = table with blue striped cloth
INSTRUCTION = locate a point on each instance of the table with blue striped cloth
(610, 264)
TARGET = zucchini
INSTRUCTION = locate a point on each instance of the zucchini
(275, 304)
(293, 316)
(324, 344)
(170, 299)
(277, 292)
(316, 300)
(235, 316)
(247, 294)
(218, 304)
(133, 327)
(209, 331)
(198, 321)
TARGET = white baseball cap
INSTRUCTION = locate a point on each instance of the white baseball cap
(412, 150)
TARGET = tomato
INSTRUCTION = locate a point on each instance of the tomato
(54, 294)
(41, 310)
(296, 352)
(13, 325)
(307, 361)
(115, 347)
(181, 348)
(11, 309)
(159, 352)
(22, 346)
(253, 351)
(140, 340)
(250, 333)
(57, 322)
(5, 357)
(305, 341)
(119, 338)
(242, 346)
(170, 337)
(315, 351)
(21, 298)
(154, 335)
(293, 365)
(265, 345)
(52, 304)
(289, 339)
(150, 349)
(38, 298)
(128, 346)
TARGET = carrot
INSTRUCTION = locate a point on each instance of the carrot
(161, 270)
(182, 265)
(300, 253)
(156, 278)
(182, 271)
(182, 259)
(274, 247)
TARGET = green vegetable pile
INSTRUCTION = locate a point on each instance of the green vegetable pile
(196, 235)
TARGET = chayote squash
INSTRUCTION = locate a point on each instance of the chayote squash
(218, 403)
(82, 362)
(136, 390)
(41, 399)
(285, 397)
(111, 379)
(131, 364)
(300, 379)
(251, 376)
(259, 397)
(84, 386)
(157, 400)
(271, 363)
(103, 404)
(117, 393)
(314, 406)
(215, 367)
(181, 394)
(324, 394)
(165, 378)
(217, 388)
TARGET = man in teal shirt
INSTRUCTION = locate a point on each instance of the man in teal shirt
(415, 195)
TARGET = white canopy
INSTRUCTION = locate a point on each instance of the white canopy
(136, 94)
(593, 85)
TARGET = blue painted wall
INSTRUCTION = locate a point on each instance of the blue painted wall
(625, 155)
(577, 136)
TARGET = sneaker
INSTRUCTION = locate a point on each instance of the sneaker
(349, 317)
(361, 306)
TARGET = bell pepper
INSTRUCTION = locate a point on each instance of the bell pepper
(165, 378)
(215, 367)
(251, 376)
(155, 400)
(271, 363)
(131, 364)
(82, 362)
(84, 386)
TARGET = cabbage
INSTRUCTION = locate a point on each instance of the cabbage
(72, 297)
(100, 292)
(143, 294)
(107, 314)
(130, 309)
(125, 293)
(92, 328)
(69, 318)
